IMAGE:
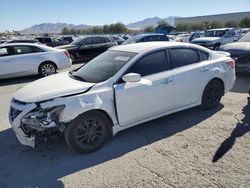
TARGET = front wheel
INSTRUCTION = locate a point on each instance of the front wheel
(88, 132)
(212, 94)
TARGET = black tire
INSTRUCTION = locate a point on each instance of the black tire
(88, 132)
(47, 69)
(216, 46)
(212, 94)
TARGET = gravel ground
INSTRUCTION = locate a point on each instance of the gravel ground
(192, 148)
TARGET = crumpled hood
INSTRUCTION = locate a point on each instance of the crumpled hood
(237, 48)
(51, 87)
(206, 39)
(68, 46)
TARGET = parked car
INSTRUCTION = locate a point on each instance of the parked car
(88, 47)
(123, 87)
(22, 59)
(173, 38)
(119, 40)
(195, 35)
(240, 51)
(53, 42)
(214, 38)
(151, 37)
(185, 37)
(2, 41)
(22, 41)
(66, 39)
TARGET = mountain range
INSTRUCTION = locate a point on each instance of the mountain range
(58, 27)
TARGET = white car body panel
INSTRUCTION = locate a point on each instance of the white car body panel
(129, 104)
(28, 64)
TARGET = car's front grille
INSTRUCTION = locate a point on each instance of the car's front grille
(14, 113)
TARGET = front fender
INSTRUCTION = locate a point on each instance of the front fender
(78, 105)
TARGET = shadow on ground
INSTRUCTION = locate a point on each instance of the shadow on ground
(20, 80)
(43, 167)
(242, 84)
(242, 127)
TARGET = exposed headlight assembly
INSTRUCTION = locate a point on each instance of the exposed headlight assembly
(41, 119)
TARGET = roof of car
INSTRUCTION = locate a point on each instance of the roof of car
(219, 29)
(19, 43)
(145, 46)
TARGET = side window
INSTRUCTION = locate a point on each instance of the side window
(184, 56)
(163, 38)
(47, 40)
(107, 40)
(5, 51)
(39, 40)
(36, 49)
(204, 55)
(23, 49)
(98, 40)
(150, 64)
(88, 41)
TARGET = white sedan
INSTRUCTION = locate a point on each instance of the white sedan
(123, 87)
(23, 59)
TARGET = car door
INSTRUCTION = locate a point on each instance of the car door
(26, 59)
(85, 49)
(229, 37)
(190, 74)
(152, 96)
(6, 66)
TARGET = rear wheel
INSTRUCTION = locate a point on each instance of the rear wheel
(88, 132)
(47, 69)
(212, 94)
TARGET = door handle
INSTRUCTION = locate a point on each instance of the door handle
(167, 81)
(204, 69)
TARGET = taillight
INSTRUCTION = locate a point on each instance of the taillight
(231, 63)
(66, 53)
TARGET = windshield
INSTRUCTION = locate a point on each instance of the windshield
(77, 41)
(215, 33)
(245, 38)
(132, 40)
(103, 66)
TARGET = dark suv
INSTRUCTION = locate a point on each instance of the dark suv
(146, 38)
(88, 47)
(51, 41)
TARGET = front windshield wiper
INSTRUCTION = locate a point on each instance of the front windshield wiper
(72, 75)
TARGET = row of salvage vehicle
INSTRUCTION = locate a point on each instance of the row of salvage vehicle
(21, 57)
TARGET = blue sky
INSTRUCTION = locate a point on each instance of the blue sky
(20, 14)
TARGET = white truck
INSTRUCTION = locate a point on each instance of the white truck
(214, 38)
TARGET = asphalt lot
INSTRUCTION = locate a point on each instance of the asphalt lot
(192, 148)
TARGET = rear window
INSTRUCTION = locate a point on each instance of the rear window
(184, 56)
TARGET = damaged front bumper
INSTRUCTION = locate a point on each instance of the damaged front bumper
(29, 119)
(17, 111)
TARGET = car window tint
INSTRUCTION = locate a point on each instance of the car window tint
(98, 40)
(47, 40)
(107, 39)
(87, 41)
(40, 40)
(150, 64)
(4, 51)
(183, 56)
(204, 55)
(23, 49)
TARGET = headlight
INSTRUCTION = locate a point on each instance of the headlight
(42, 118)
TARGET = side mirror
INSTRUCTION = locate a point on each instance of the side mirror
(131, 77)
